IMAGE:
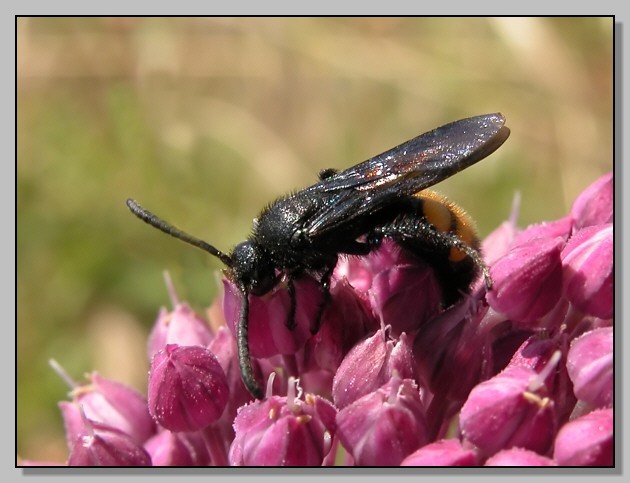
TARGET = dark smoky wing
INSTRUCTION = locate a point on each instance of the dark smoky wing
(426, 159)
(405, 170)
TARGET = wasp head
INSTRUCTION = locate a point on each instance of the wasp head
(252, 268)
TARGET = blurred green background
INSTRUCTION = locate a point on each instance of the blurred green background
(206, 120)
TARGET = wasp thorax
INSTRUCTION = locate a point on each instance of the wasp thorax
(252, 267)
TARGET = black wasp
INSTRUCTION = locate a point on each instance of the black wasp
(350, 212)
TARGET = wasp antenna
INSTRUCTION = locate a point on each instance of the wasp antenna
(155, 222)
(244, 359)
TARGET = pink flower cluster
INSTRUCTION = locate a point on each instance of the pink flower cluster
(521, 375)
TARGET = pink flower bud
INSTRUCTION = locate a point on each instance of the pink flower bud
(187, 388)
(97, 444)
(528, 280)
(108, 448)
(519, 457)
(73, 421)
(392, 278)
(544, 356)
(116, 405)
(590, 365)
(594, 206)
(370, 364)
(449, 349)
(535, 353)
(586, 441)
(283, 431)
(509, 410)
(345, 321)
(385, 426)
(181, 326)
(588, 270)
(394, 295)
(446, 452)
(178, 449)
(546, 230)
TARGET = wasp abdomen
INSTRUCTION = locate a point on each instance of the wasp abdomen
(447, 217)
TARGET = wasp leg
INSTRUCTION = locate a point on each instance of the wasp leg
(355, 248)
(290, 323)
(327, 173)
(325, 289)
(471, 253)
